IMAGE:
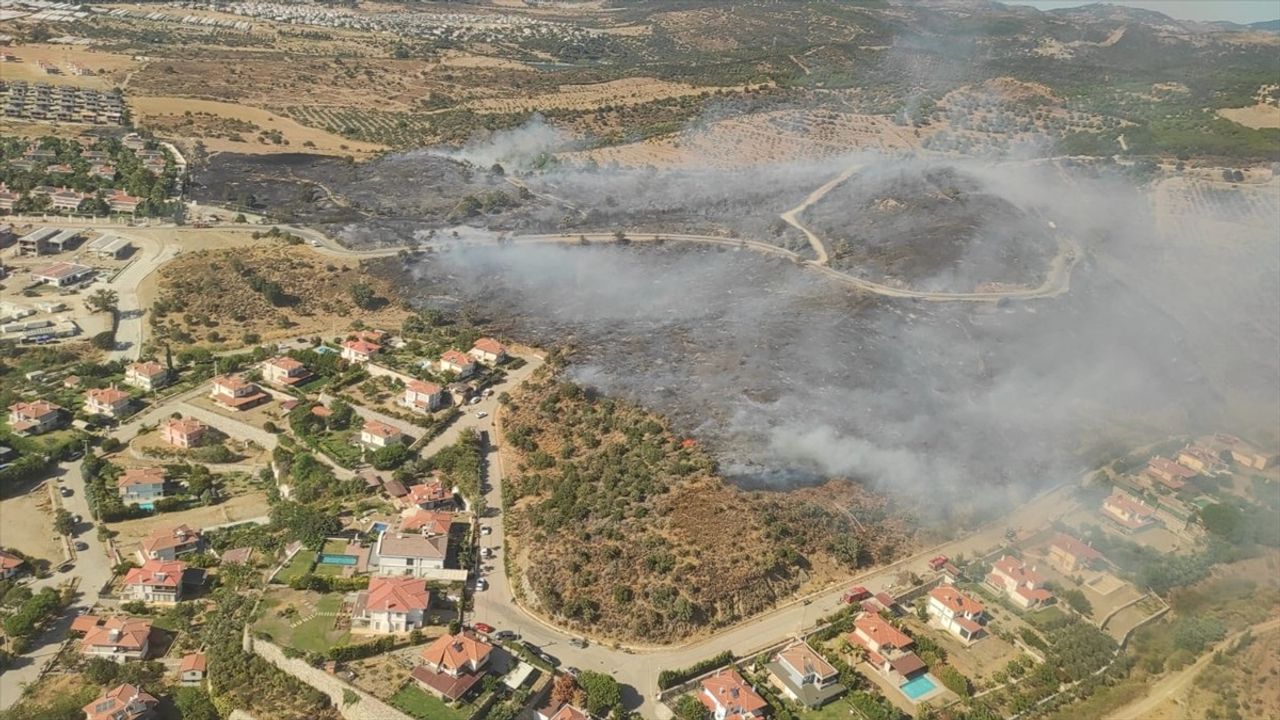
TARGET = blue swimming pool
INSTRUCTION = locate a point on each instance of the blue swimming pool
(326, 559)
(378, 527)
(147, 506)
(918, 686)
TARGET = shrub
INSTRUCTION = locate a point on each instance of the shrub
(670, 678)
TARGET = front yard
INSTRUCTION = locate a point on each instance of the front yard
(298, 566)
(422, 704)
(303, 620)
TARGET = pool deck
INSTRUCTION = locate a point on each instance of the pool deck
(893, 692)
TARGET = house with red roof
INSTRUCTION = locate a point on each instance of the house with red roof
(146, 375)
(458, 363)
(804, 676)
(34, 418)
(106, 401)
(379, 434)
(1129, 514)
(169, 544)
(123, 702)
(487, 350)
(728, 697)
(233, 392)
(10, 565)
(1020, 583)
(118, 639)
(956, 613)
(359, 351)
(427, 522)
(453, 665)
(391, 605)
(888, 649)
(141, 485)
(1070, 556)
(1200, 459)
(428, 495)
(122, 202)
(1169, 473)
(422, 396)
(157, 581)
(192, 669)
(185, 433)
(284, 371)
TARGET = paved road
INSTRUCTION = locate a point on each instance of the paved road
(1177, 683)
(93, 571)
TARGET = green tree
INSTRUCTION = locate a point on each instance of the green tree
(689, 707)
(193, 703)
(102, 300)
(602, 691)
(63, 522)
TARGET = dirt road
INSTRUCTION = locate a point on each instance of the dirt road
(1176, 684)
(791, 217)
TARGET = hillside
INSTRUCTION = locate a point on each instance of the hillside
(622, 530)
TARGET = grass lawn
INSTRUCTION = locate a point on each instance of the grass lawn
(328, 570)
(421, 704)
(300, 565)
(837, 709)
(1046, 617)
(338, 446)
(335, 547)
(316, 633)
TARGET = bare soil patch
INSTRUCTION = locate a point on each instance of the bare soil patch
(1262, 115)
(103, 71)
(26, 523)
(238, 507)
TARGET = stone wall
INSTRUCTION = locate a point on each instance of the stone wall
(366, 708)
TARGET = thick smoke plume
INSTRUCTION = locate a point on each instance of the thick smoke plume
(792, 377)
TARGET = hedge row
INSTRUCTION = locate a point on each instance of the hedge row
(670, 678)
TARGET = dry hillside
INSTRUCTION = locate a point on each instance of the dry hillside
(636, 537)
(271, 290)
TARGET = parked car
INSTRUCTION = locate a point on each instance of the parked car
(485, 529)
(482, 585)
(77, 519)
(578, 642)
(551, 660)
(476, 400)
(482, 414)
(505, 635)
(571, 672)
(82, 546)
(65, 491)
(484, 628)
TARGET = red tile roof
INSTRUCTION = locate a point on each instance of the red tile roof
(1073, 547)
(732, 693)
(490, 346)
(881, 632)
(168, 538)
(380, 429)
(456, 652)
(362, 347)
(157, 573)
(9, 561)
(955, 601)
(193, 661)
(389, 594)
(454, 357)
(123, 702)
(141, 476)
(126, 633)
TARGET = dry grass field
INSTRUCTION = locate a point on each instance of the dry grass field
(1258, 116)
(107, 70)
(204, 119)
(27, 524)
(238, 507)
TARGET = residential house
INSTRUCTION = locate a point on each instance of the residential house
(1242, 453)
(106, 401)
(488, 350)
(147, 376)
(8, 198)
(157, 581)
(359, 351)
(426, 522)
(66, 199)
(285, 371)
(10, 565)
(168, 544)
(804, 676)
(956, 612)
(452, 665)
(1071, 556)
(185, 433)
(458, 363)
(888, 649)
(235, 393)
(1130, 514)
(428, 495)
(422, 396)
(192, 669)
(141, 485)
(1169, 473)
(34, 418)
(1200, 459)
(123, 702)
(1021, 584)
(122, 202)
(118, 639)
(391, 605)
(563, 711)
(379, 434)
(409, 554)
(728, 697)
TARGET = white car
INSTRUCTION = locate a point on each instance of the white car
(485, 529)
(482, 414)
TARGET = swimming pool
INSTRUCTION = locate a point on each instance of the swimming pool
(149, 507)
(918, 686)
(378, 527)
(338, 559)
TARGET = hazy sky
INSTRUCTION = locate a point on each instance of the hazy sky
(1241, 11)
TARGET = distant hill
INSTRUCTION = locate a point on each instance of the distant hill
(1266, 25)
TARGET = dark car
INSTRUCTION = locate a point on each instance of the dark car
(505, 635)
(578, 642)
(82, 546)
(551, 660)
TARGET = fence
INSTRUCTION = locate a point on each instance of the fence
(367, 707)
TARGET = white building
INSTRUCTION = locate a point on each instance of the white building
(422, 396)
(409, 554)
(106, 401)
(956, 612)
(391, 605)
(146, 375)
